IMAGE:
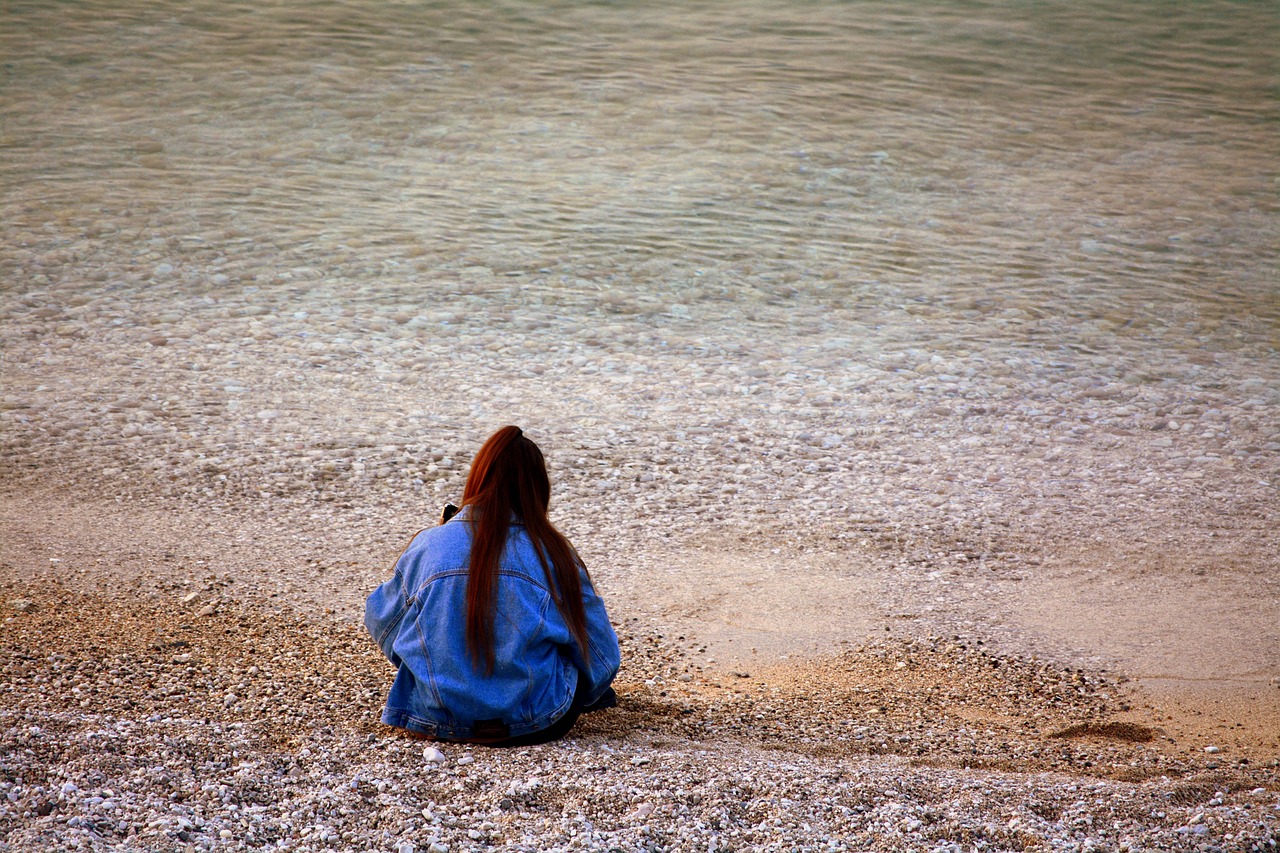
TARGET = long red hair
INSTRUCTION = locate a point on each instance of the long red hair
(508, 480)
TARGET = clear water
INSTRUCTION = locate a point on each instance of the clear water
(1115, 164)
(951, 265)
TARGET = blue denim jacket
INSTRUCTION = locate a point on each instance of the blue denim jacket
(419, 619)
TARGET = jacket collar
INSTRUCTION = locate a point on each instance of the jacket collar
(467, 514)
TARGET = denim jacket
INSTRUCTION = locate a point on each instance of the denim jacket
(419, 619)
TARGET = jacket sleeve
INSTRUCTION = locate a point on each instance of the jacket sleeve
(384, 610)
(604, 654)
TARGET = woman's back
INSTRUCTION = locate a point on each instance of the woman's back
(541, 654)
(419, 620)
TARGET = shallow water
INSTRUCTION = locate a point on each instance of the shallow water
(910, 268)
(1101, 163)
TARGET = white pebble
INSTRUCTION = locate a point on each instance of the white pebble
(433, 755)
(1212, 750)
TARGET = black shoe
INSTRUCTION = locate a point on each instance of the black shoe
(608, 699)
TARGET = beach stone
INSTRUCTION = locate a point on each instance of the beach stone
(207, 610)
(433, 756)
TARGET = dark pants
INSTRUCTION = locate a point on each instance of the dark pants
(555, 731)
(561, 727)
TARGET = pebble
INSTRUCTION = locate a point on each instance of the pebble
(737, 761)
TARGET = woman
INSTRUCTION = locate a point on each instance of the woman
(491, 619)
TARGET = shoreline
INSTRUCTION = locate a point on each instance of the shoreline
(228, 724)
(228, 695)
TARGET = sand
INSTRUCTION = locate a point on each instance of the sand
(178, 678)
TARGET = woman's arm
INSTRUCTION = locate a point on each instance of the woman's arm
(385, 608)
(602, 640)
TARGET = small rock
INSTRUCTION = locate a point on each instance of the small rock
(1212, 750)
(433, 756)
(643, 811)
(190, 597)
(438, 847)
(207, 610)
(640, 760)
(466, 759)
(406, 847)
(225, 834)
(21, 605)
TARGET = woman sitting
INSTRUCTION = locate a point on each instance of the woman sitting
(491, 620)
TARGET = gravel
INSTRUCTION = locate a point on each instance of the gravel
(135, 723)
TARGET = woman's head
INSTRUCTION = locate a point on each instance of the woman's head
(508, 482)
(509, 475)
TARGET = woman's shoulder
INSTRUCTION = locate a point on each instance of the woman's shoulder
(440, 548)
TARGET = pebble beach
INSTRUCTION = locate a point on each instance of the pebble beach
(916, 416)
